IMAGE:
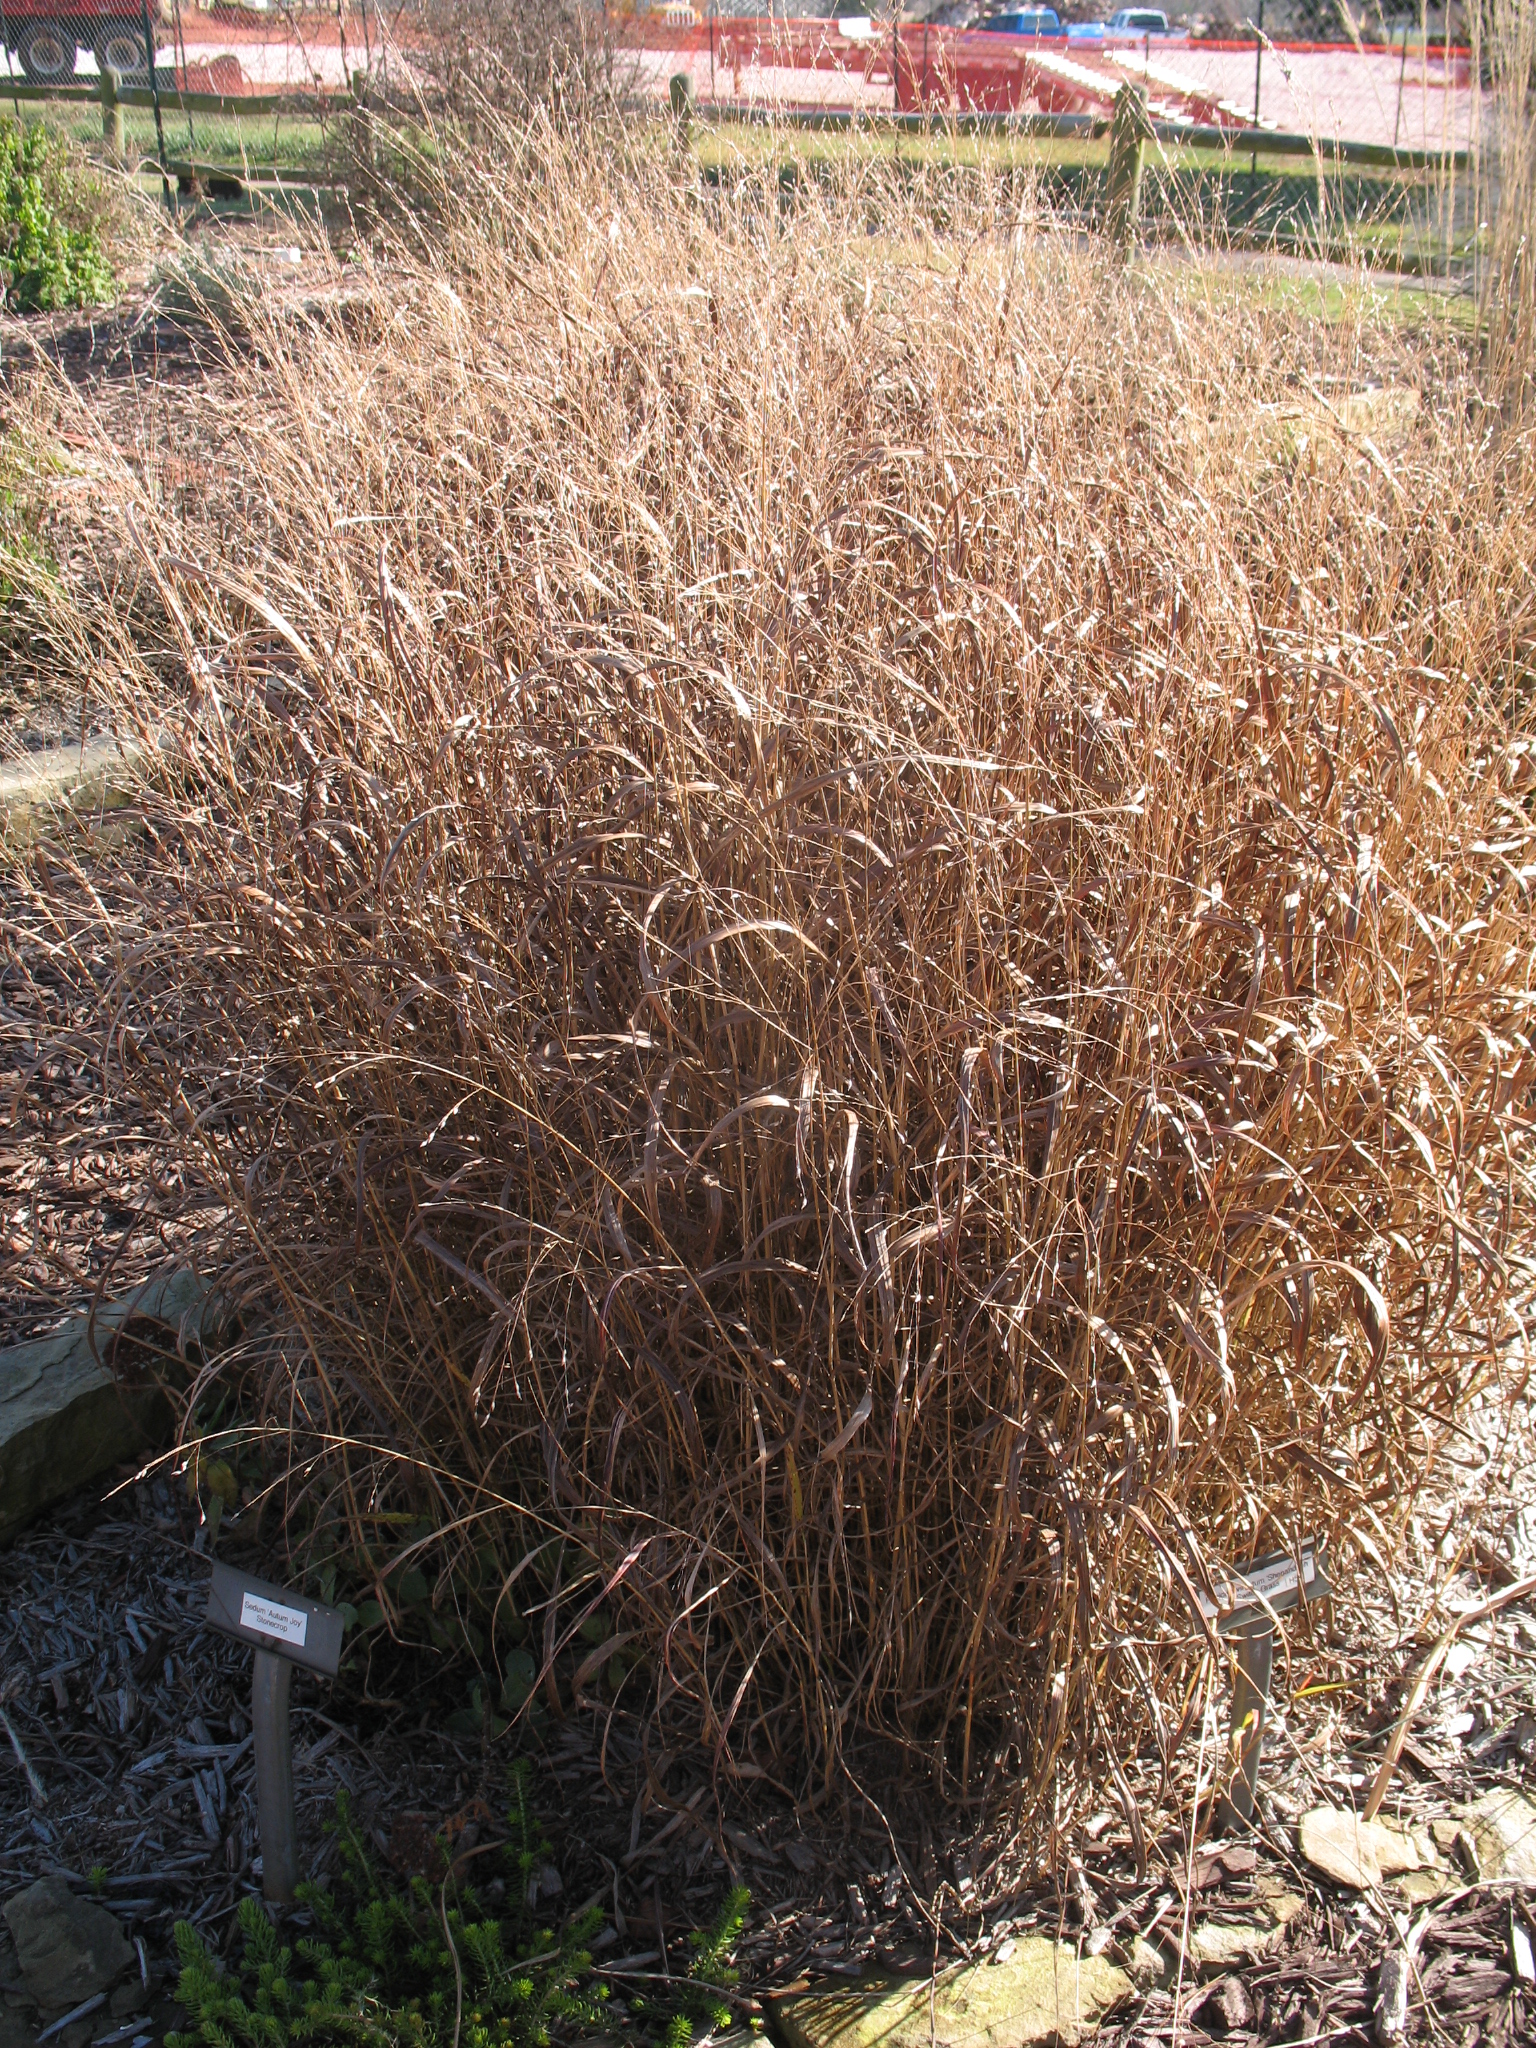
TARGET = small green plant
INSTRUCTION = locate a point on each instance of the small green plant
(697, 1998)
(428, 1965)
(51, 247)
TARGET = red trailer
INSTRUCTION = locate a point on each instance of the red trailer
(47, 35)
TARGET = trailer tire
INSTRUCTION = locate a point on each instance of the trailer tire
(121, 49)
(47, 52)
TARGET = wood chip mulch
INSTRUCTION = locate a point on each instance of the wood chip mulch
(90, 1196)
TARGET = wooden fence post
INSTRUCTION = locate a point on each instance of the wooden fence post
(680, 94)
(362, 121)
(112, 114)
(1128, 132)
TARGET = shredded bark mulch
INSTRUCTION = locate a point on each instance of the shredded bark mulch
(90, 1197)
(128, 1771)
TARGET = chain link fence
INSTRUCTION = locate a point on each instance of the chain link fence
(203, 95)
(217, 97)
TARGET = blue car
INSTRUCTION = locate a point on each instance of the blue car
(1028, 21)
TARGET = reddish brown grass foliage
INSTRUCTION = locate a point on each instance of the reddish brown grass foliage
(853, 918)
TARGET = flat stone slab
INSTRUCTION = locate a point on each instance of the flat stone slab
(1222, 1944)
(1502, 1825)
(68, 785)
(63, 1419)
(1356, 1852)
(1044, 1992)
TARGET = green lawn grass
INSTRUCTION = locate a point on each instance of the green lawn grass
(281, 141)
(1335, 212)
(1384, 218)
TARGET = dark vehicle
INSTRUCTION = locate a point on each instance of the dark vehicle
(1028, 21)
(47, 36)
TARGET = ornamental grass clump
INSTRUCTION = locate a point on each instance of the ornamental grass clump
(848, 919)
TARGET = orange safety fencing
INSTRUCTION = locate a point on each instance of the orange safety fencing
(1366, 93)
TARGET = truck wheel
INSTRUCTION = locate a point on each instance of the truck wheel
(121, 49)
(47, 52)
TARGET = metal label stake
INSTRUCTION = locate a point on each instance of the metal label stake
(1249, 1600)
(284, 1629)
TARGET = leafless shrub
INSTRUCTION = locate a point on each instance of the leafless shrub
(850, 922)
(480, 57)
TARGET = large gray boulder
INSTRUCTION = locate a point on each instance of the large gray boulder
(68, 1948)
(63, 1419)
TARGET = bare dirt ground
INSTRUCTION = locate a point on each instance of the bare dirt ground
(89, 1197)
(156, 385)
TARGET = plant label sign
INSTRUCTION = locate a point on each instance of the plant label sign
(271, 1618)
(284, 1629)
(1247, 1603)
(1270, 1585)
(268, 1618)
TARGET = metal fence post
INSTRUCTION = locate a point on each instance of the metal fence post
(181, 58)
(1258, 73)
(154, 89)
(1402, 74)
(5, 44)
